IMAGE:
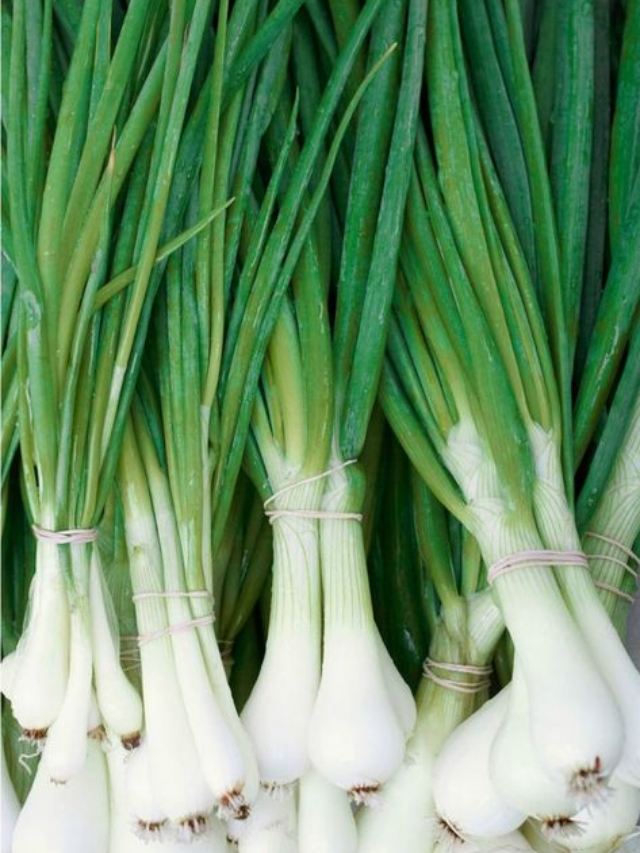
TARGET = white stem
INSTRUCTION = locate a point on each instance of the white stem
(179, 785)
(278, 710)
(220, 756)
(325, 820)
(220, 684)
(120, 705)
(356, 739)
(42, 666)
(70, 818)
(65, 750)
(399, 692)
(207, 638)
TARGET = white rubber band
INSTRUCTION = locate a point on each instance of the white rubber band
(621, 563)
(534, 559)
(320, 514)
(201, 622)
(630, 554)
(450, 684)
(307, 480)
(607, 587)
(182, 593)
(274, 514)
(467, 668)
(65, 537)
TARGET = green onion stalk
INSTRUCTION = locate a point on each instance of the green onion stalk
(363, 712)
(9, 368)
(287, 455)
(465, 627)
(470, 381)
(289, 445)
(613, 527)
(551, 501)
(243, 564)
(61, 203)
(214, 315)
(397, 574)
(616, 321)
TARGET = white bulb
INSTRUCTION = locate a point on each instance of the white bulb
(464, 795)
(67, 818)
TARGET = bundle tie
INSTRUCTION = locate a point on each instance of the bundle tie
(608, 587)
(73, 536)
(180, 628)
(623, 548)
(273, 514)
(198, 622)
(534, 559)
(458, 686)
(180, 593)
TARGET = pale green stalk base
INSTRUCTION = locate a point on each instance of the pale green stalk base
(406, 819)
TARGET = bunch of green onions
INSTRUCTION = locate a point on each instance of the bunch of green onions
(321, 425)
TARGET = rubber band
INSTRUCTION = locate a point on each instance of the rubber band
(327, 515)
(198, 622)
(307, 480)
(534, 559)
(607, 587)
(621, 563)
(467, 668)
(450, 684)
(181, 593)
(180, 628)
(630, 554)
(65, 537)
(274, 514)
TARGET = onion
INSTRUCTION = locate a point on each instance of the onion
(136, 819)
(42, 655)
(607, 823)
(575, 724)
(465, 798)
(356, 739)
(401, 697)
(325, 820)
(278, 710)
(178, 782)
(120, 705)
(271, 827)
(65, 749)
(131, 776)
(514, 769)
(68, 818)
(556, 522)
